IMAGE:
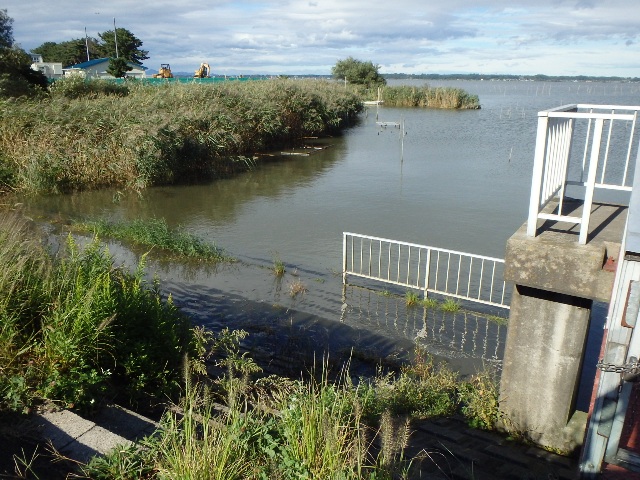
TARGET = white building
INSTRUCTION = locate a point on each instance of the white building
(50, 69)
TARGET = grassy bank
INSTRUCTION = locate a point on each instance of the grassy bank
(134, 136)
(317, 427)
(426, 96)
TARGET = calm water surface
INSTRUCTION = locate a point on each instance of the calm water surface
(459, 180)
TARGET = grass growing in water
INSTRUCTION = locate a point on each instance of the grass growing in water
(188, 132)
(156, 233)
(430, 303)
(426, 96)
(498, 320)
(449, 305)
(278, 267)
(411, 299)
(297, 287)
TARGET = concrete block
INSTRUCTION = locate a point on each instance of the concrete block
(63, 427)
(555, 264)
(98, 440)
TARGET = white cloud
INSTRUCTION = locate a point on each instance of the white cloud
(283, 36)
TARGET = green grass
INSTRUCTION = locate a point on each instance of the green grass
(450, 305)
(498, 320)
(430, 303)
(278, 428)
(411, 299)
(156, 233)
(74, 326)
(278, 267)
(274, 428)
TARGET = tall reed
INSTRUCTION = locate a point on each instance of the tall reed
(429, 97)
(160, 134)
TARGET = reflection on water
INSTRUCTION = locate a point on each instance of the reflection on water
(449, 334)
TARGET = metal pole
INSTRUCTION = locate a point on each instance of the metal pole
(115, 35)
(86, 42)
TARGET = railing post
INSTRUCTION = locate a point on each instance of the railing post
(427, 273)
(538, 168)
(344, 258)
(591, 181)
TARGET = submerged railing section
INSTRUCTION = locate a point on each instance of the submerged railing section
(589, 146)
(455, 274)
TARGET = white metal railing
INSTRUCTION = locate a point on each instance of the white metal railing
(605, 161)
(447, 272)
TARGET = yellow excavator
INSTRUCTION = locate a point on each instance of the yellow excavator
(203, 71)
(164, 72)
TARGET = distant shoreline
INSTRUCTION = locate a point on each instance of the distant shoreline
(529, 78)
(442, 76)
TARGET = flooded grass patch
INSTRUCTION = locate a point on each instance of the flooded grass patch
(155, 233)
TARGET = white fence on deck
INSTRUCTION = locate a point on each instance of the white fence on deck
(455, 274)
(590, 146)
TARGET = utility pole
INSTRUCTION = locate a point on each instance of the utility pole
(86, 43)
(115, 35)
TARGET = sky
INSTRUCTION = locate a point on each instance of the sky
(522, 37)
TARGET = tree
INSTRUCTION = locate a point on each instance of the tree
(128, 46)
(6, 29)
(17, 78)
(118, 67)
(69, 52)
(358, 72)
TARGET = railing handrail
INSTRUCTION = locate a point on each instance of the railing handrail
(554, 143)
(461, 275)
(586, 106)
(416, 245)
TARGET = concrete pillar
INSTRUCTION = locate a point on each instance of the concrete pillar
(542, 364)
(555, 280)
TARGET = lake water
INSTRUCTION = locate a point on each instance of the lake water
(459, 180)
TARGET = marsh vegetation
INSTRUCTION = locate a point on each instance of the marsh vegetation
(424, 96)
(87, 135)
(155, 234)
